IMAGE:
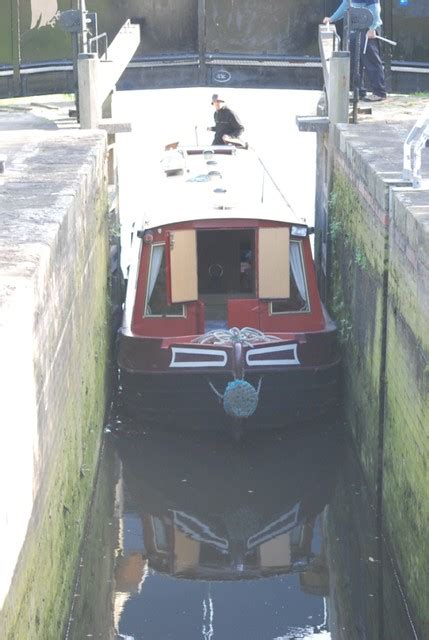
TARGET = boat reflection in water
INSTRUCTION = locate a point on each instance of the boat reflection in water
(212, 511)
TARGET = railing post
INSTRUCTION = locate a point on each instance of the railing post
(413, 146)
(202, 41)
(338, 90)
(89, 104)
(16, 47)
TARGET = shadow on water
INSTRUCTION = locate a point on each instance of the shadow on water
(273, 537)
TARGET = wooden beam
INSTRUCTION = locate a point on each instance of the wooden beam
(315, 124)
(97, 78)
(119, 54)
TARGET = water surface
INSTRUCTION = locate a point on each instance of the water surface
(212, 538)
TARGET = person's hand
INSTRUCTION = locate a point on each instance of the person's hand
(371, 34)
(326, 21)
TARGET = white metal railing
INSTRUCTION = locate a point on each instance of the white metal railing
(413, 146)
(329, 42)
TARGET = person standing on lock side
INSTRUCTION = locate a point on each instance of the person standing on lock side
(370, 61)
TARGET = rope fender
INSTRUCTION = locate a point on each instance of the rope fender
(240, 398)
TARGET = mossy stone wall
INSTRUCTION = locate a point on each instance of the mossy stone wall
(379, 295)
(357, 244)
(406, 432)
(58, 238)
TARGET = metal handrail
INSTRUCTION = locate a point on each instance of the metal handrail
(96, 38)
(413, 145)
(329, 42)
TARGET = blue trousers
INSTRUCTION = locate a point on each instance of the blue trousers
(370, 65)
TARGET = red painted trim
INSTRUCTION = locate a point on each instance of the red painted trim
(219, 224)
(141, 285)
(168, 265)
(156, 326)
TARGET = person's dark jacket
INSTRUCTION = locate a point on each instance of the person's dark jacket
(226, 123)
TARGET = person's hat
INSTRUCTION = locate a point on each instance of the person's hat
(216, 98)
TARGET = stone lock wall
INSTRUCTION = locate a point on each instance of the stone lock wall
(379, 295)
(54, 256)
(406, 432)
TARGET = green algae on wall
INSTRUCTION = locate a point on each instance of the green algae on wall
(39, 599)
(92, 613)
(380, 301)
(406, 468)
(356, 301)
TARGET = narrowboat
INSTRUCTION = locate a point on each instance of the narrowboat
(223, 323)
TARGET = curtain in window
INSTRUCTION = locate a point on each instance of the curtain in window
(155, 266)
(297, 271)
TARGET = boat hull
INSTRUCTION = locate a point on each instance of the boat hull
(193, 401)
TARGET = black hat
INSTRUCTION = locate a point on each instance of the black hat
(216, 98)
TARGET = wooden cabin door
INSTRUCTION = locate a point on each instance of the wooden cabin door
(273, 263)
(183, 277)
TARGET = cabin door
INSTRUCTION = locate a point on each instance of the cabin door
(225, 260)
(273, 263)
(225, 271)
(183, 266)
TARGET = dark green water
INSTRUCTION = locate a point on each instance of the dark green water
(270, 538)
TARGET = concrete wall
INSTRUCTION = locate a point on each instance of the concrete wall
(53, 343)
(379, 294)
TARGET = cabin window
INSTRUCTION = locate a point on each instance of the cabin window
(297, 302)
(156, 297)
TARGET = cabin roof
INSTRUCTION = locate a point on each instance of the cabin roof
(207, 183)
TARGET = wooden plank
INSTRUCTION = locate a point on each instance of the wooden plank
(114, 126)
(183, 266)
(273, 263)
(119, 55)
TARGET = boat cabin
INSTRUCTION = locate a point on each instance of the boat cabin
(215, 268)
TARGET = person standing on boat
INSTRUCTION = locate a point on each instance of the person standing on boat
(370, 60)
(227, 127)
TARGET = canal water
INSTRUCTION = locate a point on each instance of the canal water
(201, 537)
(192, 537)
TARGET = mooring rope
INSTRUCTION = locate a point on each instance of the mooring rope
(247, 336)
